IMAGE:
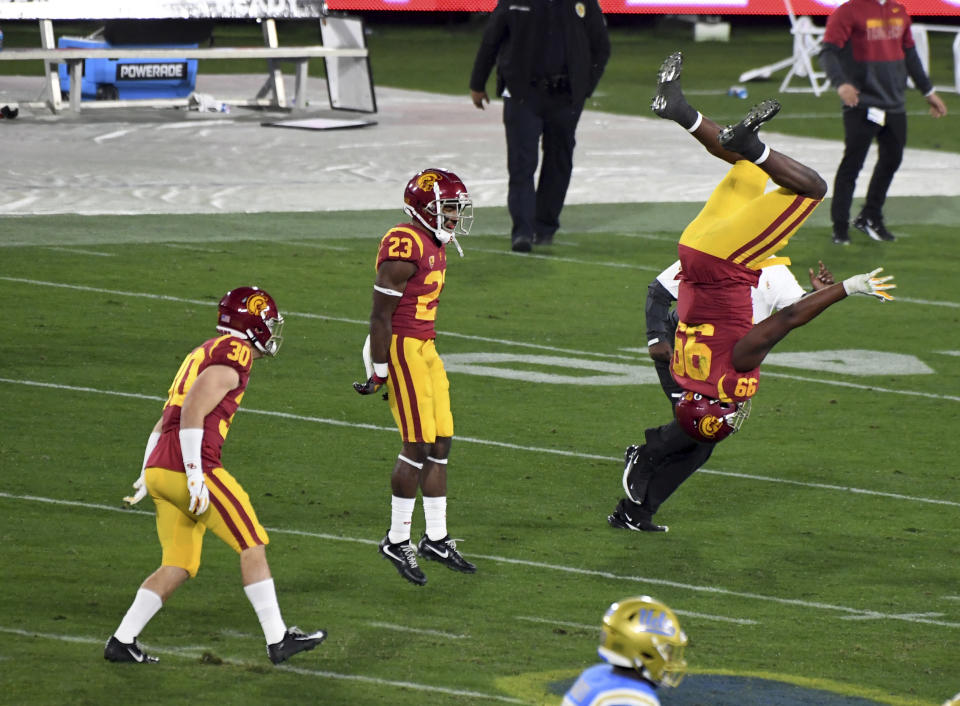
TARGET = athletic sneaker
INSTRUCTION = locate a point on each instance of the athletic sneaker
(874, 228)
(404, 558)
(640, 521)
(116, 651)
(637, 471)
(294, 640)
(742, 137)
(445, 551)
(668, 102)
(841, 236)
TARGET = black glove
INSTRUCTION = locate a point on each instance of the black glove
(373, 384)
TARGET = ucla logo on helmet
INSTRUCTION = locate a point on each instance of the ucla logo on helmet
(656, 621)
(426, 181)
(256, 303)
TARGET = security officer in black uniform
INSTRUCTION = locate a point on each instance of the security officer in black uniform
(550, 55)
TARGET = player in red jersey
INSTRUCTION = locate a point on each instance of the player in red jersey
(718, 349)
(192, 491)
(400, 351)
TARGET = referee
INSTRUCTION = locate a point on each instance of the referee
(549, 55)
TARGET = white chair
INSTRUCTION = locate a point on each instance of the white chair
(806, 46)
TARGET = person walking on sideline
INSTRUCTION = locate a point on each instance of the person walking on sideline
(868, 52)
(550, 55)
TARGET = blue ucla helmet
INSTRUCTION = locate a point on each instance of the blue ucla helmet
(642, 633)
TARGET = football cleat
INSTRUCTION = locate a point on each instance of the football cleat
(116, 651)
(640, 521)
(445, 551)
(841, 236)
(637, 472)
(873, 227)
(742, 137)
(294, 640)
(404, 558)
(668, 102)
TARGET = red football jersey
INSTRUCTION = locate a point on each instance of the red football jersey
(714, 315)
(223, 350)
(417, 310)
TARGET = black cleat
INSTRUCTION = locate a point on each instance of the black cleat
(445, 551)
(841, 236)
(522, 243)
(641, 522)
(404, 557)
(742, 137)
(669, 102)
(116, 651)
(294, 640)
(638, 469)
(874, 228)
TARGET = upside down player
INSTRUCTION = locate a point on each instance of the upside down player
(191, 489)
(718, 349)
(401, 352)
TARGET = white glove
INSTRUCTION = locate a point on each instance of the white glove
(870, 284)
(190, 443)
(141, 487)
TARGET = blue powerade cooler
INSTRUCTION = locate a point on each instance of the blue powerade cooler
(108, 79)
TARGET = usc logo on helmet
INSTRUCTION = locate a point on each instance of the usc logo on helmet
(256, 303)
(709, 426)
(427, 180)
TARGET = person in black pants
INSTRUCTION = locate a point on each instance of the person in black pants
(868, 51)
(549, 55)
(654, 470)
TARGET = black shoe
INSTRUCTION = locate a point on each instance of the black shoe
(637, 471)
(640, 522)
(841, 236)
(669, 102)
(404, 558)
(294, 640)
(874, 228)
(742, 137)
(522, 243)
(116, 651)
(445, 551)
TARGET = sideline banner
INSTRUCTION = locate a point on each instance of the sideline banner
(663, 7)
(159, 9)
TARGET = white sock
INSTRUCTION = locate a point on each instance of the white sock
(263, 597)
(401, 516)
(145, 605)
(435, 513)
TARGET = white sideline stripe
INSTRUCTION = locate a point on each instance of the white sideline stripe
(485, 339)
(79, 251)
(705, 616)
(876, 615)
(575, 261)
(286, 668)
(498, 444)
(419, 631)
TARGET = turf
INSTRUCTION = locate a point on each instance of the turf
(820, 546)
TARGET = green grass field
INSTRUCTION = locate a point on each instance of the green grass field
(819, 548)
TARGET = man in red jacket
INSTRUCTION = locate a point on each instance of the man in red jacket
(868, 52)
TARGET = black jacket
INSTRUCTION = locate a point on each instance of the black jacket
(513, 37)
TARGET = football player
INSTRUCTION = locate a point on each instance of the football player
(654, 470)
(718, 349)
(400, 352)
(193, 492)
(642, 646)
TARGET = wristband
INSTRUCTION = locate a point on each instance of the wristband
(190, 443)
(151, 445)
(381, 370)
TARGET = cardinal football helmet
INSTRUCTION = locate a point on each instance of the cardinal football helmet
(438, 199)
(251, 313)
(708, 420)
(642, 633)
